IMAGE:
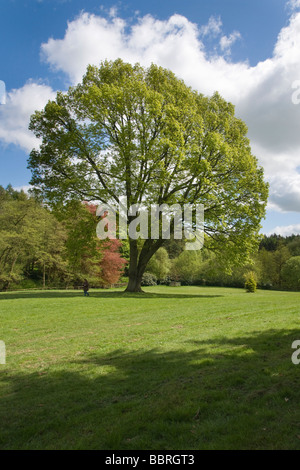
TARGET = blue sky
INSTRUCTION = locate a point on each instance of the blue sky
(247, 50)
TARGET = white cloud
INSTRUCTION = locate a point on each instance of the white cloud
(286, 230)
(293, 4)
(212, 28)
(26, 188)
(88, 39)
(284, 192)
(262, 93)
(227, 41)
(113, 11)
(174, 43)
(15, 114)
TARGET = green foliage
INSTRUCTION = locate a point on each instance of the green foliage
(160, 264)
(294, 246)
(266, 265)
(187, 267)
(291, 273)
(271, 242)
(271, 264)
(250, 282)
(174, 247)
(31, 239)
(83, 248)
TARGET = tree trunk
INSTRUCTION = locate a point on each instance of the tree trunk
(138, 263)
(134, 284)
(135, 279)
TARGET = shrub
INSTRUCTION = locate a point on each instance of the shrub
(149, 279)
(250, 282)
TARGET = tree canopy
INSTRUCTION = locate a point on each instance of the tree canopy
(138, 132)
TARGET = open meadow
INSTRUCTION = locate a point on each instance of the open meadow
(171, 369)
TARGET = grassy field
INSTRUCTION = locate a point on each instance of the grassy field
(176, 368)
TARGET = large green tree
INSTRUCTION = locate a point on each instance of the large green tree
(144, 134)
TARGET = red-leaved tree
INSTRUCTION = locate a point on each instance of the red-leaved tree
(112, 264)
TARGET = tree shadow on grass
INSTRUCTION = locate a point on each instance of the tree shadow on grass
(224, 393)
(103, 294)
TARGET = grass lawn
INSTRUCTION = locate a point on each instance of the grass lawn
(176, 368)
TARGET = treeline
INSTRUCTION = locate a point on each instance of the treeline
(43, 248)
(276, 265)
(59, 248)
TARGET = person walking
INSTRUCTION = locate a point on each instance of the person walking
(86, 288)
